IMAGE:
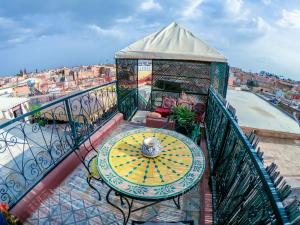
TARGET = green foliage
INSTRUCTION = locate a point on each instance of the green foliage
(11, 219)
(34, 107)
(251, 83)
(37, 115)
(183, 115)
(184, 119)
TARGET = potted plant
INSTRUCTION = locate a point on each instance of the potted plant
(184, 119)
(6, 217)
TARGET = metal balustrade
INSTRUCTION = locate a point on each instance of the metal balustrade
(34, 143)
(244, 191)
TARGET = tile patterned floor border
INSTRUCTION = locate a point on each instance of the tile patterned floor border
(74, 202)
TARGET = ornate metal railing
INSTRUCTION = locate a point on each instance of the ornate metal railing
(127, 86)
(34, 143)
(244, 191)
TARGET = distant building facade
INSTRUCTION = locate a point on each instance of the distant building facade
(12, 107)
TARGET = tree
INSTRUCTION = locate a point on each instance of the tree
(62, 79)
(251, 83)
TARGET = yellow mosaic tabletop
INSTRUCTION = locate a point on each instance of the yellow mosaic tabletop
(124, 168)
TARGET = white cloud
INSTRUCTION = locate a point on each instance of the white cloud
(150, 5)
(150, 25)
(191, 10)
(13, 26)
(13, 33)
(124, 19)
(101, 31)
(262, 25)
(234, 6)
(17, 40)
(267, 2)
(6, 22)
(290, 19)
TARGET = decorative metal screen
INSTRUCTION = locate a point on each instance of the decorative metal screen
(219, 77)
(171, 78)
(127, 86)
(244, 191)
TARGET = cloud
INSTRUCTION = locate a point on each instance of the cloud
(290, 19)
(262, 25)
(6, 22)
(12, 33)
(234, 6)
(254, 35)
(267, 2)
(101, 31)
(150, 5)
(191, 11)
(150, 25)
(124, 19)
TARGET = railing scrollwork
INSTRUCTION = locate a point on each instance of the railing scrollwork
(34, 143)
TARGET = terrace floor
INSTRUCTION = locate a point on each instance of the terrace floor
(74, 202)
(286, 154)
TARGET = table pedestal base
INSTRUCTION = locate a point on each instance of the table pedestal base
(129, 202)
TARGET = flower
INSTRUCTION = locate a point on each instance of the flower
(3, 207)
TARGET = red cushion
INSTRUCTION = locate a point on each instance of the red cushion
(162, 111)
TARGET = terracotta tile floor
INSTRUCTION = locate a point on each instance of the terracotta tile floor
(74, 202)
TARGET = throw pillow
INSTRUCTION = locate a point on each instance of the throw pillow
(168, 102)
(154, 115)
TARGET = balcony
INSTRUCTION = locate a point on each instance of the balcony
(44, 182)
(46, 155)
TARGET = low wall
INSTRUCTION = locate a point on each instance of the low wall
(271, 133)
(25, 207)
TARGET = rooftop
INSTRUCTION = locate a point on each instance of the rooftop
(207, 166)
(255, 112)
(10, 102)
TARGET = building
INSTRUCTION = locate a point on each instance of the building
(12, 107)
(284, 85)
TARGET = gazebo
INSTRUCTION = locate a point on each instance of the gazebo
(181, 62)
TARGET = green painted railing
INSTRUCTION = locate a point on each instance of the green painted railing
(244, 190)
(36, 142)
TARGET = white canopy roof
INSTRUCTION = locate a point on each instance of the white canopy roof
(172, 42)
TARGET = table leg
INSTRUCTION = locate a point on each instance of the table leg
(176, 201)
(129, 203)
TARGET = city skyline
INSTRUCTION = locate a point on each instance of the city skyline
(261, 35)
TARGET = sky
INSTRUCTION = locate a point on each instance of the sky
(254, 35)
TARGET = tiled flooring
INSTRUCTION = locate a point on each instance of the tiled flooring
(74, 202)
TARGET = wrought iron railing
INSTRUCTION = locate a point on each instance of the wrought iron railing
(244, 190)
(128, 105)
(34, 143)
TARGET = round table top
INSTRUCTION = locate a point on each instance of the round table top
(124, 168)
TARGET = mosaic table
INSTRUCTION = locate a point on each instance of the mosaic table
(131, 175)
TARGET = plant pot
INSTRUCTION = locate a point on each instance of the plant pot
(181, 129)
